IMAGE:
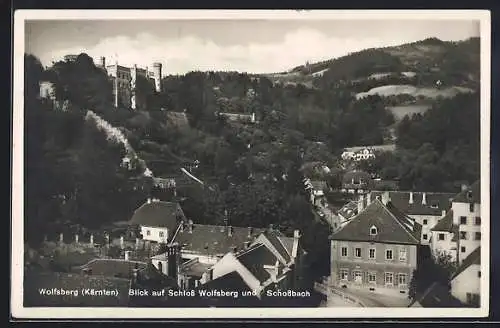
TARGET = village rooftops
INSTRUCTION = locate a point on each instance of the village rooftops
(418, 203)
(446, 223)
(470, 195)
(212, 240)
(113, 267)
(349, 210)
(390, 147)
(194, 268)
(471, 259)
(255, 258)
(157, 214)
(36, 281)
(392, 226)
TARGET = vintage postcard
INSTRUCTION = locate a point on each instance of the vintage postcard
(250, 164)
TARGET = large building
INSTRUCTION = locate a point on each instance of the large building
(376, 250)
(125, 78)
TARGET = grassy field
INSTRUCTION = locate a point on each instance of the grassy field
(391, 90)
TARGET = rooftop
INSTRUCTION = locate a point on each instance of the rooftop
(471, 259)
(445, 224)
(157, 214)
(435, 203)
(113, 267)
(194, 268)
(254, 260)
(436, 296)
(471, 194)
(392, 226)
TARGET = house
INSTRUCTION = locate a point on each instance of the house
(356, 181)
(238, 117)
(157, 220)
(466, 281)
(316, 190)
(168, 262)
(444, 237)
(466, 207)
(376, 250)
(427, 208)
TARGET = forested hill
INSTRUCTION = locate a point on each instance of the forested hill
(454, 63)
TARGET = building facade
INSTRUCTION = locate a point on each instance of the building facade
(466, 282)
(376, 251)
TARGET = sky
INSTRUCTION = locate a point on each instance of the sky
(248, 45)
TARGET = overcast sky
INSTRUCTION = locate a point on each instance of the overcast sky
(254, 46)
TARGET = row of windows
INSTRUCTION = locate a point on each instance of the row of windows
(389, 254)
(371, 277)
(464, 235)
(477, 220)
(160, 233)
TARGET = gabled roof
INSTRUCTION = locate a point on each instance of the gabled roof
(349, 210)
(274, 238)
(231, 281)
(471, 194)
(194, 268)
(214, 240)
(392, 225)
(254, 260)
(34, 281)
(436, 203)
(445, 224)
(471, 259)
(157, 214)
(113, 267)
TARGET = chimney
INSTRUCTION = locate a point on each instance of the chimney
(296, 234)
(250, 230)
(464, 187)
(76, 239)
(136, 243)
(443, 213)
(190, 226)
(122, 243)
(247, 244)
(424, 198)
(360, 203)
(181, 226)
(92, 240)
(127, 255)
(102, 61)
(149, 200)
(229, 231)
(61, 237)
(385, 197)
(411, 198)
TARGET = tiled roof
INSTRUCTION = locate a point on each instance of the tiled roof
(473, 193)
(232, 281)
(274, 238)
(358, 176)
(194, 268)
(436, 296)
(349, 210)
(435, 202)
(287, 243)
(214, 240)
(33, 282)
(113, 267)
(471, 259)
(445, 224)
(157, 214)
(392, 225)
(254, 260)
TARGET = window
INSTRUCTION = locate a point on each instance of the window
(357, 276)
(357, 252)
(160, 233)
(434, 205)
(344, 274)
(388, 254)
(477, 236)
(388, 278)
(463, 220)
(477, 220)
(424, 236)
(479, 274)
(371, 253)
(462, 249)
(148, 233)
(402, 280)
(424, 222)
(373, 231)
(343, 252)
(463, 235)
(372, 278)
(441, 236)
(471, 207)
(473, 299)
(402, 254)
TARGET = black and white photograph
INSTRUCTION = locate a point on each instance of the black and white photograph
(195, 163)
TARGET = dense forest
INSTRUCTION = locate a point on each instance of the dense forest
(74, 172)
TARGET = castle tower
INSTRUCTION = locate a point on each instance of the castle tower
(133, 80)
(157, 76)
(102, 62)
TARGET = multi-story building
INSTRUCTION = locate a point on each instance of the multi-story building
(426, 208)
(466, 281)
(125, 78)
(376, 250)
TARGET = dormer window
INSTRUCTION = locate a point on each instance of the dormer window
(434, 205)
(373, 231)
